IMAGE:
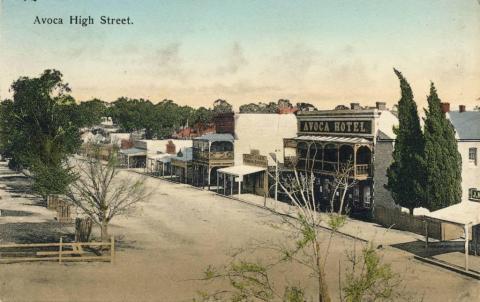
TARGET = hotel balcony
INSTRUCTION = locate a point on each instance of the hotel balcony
(358, 171)
(331, 155)
(213, 155)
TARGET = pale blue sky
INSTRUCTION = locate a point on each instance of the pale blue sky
(326, 52)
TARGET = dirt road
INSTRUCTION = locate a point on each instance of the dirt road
(170, 240)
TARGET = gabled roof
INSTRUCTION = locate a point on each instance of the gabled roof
(383, 137)
(187, 155)
(466, 124)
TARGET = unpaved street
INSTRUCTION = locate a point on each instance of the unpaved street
(170, 240)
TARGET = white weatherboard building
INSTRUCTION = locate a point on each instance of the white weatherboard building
(467, 128)
(257, 136)
(262, 132)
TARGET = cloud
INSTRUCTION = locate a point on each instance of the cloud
(235, 61)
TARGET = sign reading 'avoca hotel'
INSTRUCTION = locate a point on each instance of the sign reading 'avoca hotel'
(360, 127)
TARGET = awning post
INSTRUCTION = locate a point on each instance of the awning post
(466, 247)
(224, 184)
(239, 188)
(426, 234)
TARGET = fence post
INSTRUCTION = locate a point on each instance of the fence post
(112, 249)
(60, 251)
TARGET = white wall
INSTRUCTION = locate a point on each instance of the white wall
(470, 171)
(385, 123)
(116, 138)
(155, 146)
(264, 132)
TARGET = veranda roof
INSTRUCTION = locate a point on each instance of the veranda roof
(133, 152)
(334, 139)
(164, 158)
(462, 213)
(241, 170)
(216, 137)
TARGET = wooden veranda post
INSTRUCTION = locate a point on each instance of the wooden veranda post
(112, 249)
(60, 248)
(426, 233)
(466, 247)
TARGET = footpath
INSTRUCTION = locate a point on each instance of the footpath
(446, 257)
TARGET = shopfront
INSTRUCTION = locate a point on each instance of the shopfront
(329, 143)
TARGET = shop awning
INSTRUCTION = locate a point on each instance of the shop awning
(216, 137)
(164, 158)
(467, 212)
(241, 170)
(333, 139)
(134, 152)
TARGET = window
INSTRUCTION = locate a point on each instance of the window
(472, 155)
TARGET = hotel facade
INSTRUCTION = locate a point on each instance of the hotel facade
(358, 140)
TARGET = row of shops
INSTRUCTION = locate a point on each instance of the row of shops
(248, 150)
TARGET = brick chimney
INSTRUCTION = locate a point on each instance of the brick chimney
(445, 107)
(224, 122)
(461, 108)
(355, 106)
(171, 148)
(381, 105)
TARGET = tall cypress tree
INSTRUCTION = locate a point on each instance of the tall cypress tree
(443, 161)
(406, 176)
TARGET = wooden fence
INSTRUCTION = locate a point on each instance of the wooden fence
(60, 252)
(64, 213)
(396, 219)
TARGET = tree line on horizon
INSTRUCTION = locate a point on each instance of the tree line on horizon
(40, 129)
(40, 126)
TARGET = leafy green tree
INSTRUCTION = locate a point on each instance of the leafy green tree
(305, 107)
(249, 108)
(39, 131)
(133, 114)
(222, 106)
(406, 177)
(284, 103)
(91, 112)
(443, 171)
(201, 119)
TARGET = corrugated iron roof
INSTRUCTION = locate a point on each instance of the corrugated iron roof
(216, 137)
(334, 139)
(133, 151)
(466, 124)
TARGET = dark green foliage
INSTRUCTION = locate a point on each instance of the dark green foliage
(305, 107)
(222, 106)
(271, 107)
(370, 280)
(406, 175)
(90, 113)
(444, 162)
(39, 129)
(160, 120)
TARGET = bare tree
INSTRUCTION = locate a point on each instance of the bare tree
(100, 194)
(342, 181)
(250, 281)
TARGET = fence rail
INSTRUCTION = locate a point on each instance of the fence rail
(396, 219)
(60, 253)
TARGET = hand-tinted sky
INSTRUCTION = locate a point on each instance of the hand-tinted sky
(325, 52)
